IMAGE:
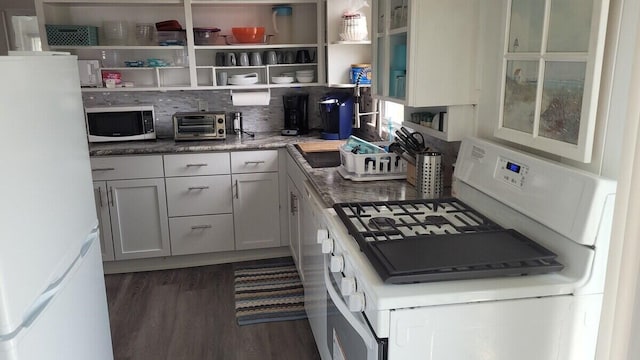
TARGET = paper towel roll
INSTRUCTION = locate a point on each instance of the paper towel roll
(248, 98)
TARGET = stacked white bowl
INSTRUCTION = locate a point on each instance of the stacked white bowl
(304, 76)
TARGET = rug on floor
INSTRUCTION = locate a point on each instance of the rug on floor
(268, 292)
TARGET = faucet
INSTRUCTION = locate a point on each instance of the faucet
(357, 96)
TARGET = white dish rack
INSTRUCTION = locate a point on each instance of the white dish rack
(369, 167)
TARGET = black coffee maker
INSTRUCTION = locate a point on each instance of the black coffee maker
(296, 114)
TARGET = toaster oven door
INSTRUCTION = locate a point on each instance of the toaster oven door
(199, 126)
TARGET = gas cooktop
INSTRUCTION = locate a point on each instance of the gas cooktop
(440, 239)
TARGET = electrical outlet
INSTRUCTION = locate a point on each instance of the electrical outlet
(203, 105)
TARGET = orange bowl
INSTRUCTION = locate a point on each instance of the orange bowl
(248, 34)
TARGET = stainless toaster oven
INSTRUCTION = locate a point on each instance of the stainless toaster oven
(199, 126)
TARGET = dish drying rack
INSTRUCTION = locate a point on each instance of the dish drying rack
(372, 165)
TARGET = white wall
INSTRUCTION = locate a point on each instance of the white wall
(8, 8)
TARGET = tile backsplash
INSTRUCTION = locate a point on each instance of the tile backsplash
(255, 118)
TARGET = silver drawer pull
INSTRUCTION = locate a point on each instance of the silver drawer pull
(202, 164)
(254, 162)
(198, 187)
(196, 227)
(103, 169)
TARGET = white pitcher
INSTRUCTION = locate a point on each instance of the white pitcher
(282, 18)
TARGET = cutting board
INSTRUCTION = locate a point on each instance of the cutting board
(321, 146)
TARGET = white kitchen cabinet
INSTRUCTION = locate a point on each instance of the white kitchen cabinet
(199, 195)
(199, 202)
(243, 162)
(191, 66)
(102, 210)
(256, 200)
(425, 51)
(256, 210)
(138, 211)
(132, 211)
(342, 54)
(458, 122)
(293, 209)
(551, 68)
(201, 234)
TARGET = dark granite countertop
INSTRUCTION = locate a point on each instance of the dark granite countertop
(261, 141)
(331, 186)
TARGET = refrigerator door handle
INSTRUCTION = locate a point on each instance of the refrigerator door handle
(43, 300)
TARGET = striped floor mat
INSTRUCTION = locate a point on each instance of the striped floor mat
(268, 292)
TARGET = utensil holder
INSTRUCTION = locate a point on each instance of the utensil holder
(429, 175)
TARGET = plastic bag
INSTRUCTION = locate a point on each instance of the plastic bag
(354, 7)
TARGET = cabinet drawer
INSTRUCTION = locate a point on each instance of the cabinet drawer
(201, 234)
(196, 164)
(126, 167)
(254, 161)
(199, 195)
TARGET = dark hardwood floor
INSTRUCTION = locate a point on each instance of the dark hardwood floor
(188, 314)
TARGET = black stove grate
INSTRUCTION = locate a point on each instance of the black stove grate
(443, 239)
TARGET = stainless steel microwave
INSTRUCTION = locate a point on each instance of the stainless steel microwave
(120, 123)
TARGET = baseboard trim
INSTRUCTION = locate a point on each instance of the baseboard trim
(182, 261)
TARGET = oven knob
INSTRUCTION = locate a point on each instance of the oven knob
(321, 235)
(220, 120)
(347, 286)
(356, 302)
(337, 263)
(327, 246)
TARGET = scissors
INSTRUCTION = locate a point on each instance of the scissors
(416, 139)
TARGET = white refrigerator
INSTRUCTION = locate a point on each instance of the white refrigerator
(52, 292)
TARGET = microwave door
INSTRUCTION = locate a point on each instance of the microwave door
(110, 125)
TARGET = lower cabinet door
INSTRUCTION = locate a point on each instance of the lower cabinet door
(201, 234)
(139, 221)
(256, 210)
(102, 210)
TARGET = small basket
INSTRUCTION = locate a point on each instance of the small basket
(72, 35)
(366, 167)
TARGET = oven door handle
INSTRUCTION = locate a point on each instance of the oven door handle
(363, 331)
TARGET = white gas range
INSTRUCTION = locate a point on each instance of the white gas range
(446, 308)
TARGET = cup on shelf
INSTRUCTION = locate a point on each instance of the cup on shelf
(115, 32)
(243, 59)
(144, 34)
(220, 59)
(271, 57)
(303, 57)
(288, 57)
(222, 78)
(230, 59)
(255, 59)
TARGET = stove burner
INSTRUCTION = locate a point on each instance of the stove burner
(382, 222)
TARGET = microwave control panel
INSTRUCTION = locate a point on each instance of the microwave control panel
(148, 121)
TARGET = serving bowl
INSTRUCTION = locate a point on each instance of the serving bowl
(205, 36)
(282, 79)
(304, 78)
(244, 79)
(248, 34)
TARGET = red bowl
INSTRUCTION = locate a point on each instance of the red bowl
(248, 34)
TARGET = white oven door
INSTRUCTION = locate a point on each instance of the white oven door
(349, 336)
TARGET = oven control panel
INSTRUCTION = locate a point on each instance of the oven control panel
(511, 172)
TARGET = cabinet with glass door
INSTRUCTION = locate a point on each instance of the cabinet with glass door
(551, 73)
(425, 51)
